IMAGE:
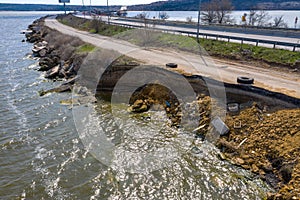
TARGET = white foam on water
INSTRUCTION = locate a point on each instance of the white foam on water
(50, 180)
(22, 119)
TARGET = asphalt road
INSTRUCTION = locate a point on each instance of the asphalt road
(221, 33)
(277, 81)
(178, 28)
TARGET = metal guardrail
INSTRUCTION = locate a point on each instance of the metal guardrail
(217, 36)
(242, 39)
(194, 24)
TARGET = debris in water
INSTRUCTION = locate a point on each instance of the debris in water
(220, 126)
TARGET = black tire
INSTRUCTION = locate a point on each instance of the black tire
(171, 65)
(233, 107)
(245, 80)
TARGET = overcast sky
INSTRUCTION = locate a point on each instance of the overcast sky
(79, 2)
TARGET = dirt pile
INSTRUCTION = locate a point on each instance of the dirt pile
(269, 145)
(157, 97)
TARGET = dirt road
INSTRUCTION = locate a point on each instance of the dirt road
(277, 81)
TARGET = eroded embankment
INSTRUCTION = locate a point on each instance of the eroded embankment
(263, 122)
(260, 134)
(60, 56)
(264, 132)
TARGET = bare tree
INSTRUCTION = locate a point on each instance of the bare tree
(189, 19)
(209, 13)
(217, 11)
(262, 18)
(252, 19)
(143, 15)
(224, 8)
(163, 15)
(279, 22)
(259, 17)
(96, 24)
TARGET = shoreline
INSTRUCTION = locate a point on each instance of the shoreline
(253, 110)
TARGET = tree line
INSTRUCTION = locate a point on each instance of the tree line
(219, 12)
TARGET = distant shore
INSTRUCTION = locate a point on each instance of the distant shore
(144, 7)
(260, 142)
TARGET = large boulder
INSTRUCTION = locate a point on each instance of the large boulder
(42, 53)
(53, 72)
(62, 88)
(139, 106)
(40, 48)
(46, 61)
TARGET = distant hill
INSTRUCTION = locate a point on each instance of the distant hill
(176, 5)
(44, 7)
(30, 7)
(238, 5)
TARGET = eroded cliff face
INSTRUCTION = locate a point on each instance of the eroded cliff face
(264, 132)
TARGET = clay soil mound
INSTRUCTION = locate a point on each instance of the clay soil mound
(269, 145)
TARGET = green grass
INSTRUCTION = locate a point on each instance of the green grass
(276, 55)
(216, 48)
(222, 49)
(86, 48)
(180, 42)
(92, 26)
(161, 40)
(251, 52)
(232, 50)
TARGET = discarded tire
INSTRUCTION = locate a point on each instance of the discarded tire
(233, 107)
(171, 65)
(245, 80)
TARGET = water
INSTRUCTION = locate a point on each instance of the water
(288, 15)
(42, 156)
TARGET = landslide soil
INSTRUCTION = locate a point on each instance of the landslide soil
(267, 143)
(270, 149)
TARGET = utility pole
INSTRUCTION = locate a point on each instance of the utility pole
(90, 8)
(198, 24)
(83, 8)
(64, 2)
(108, 14)
(65, 8)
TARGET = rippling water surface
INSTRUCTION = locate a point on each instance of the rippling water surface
(42, 156)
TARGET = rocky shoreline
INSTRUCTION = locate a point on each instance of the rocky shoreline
(57, 54)
(259, 139)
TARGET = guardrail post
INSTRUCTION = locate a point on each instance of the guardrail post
(206, 36)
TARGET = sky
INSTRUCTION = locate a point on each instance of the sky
(79, 2)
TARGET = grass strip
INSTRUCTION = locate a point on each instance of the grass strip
(217, 48)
